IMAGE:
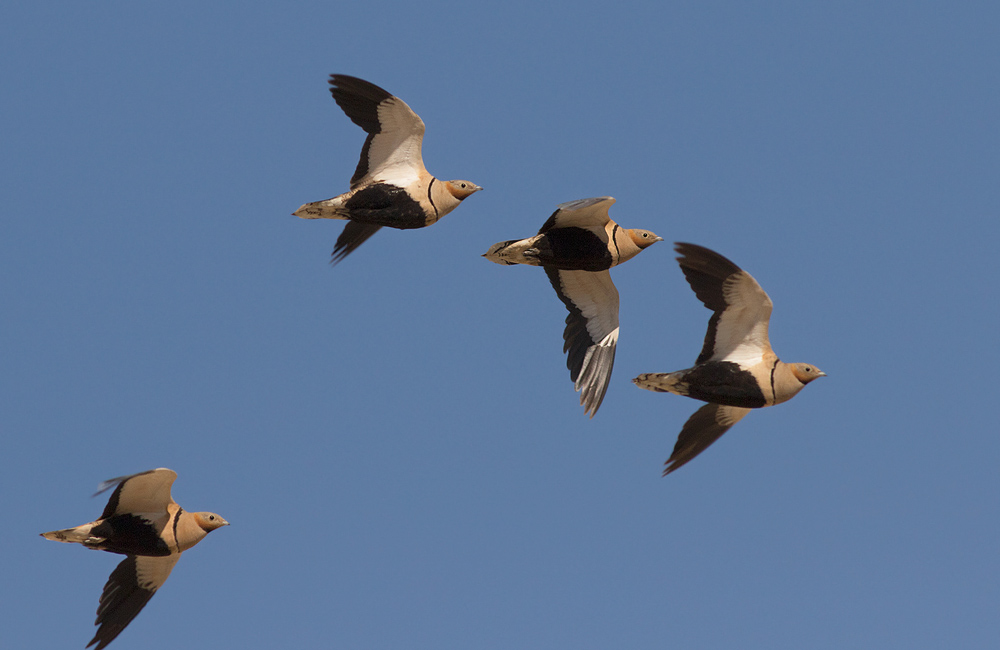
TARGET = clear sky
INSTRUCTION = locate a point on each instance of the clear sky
(396, 440)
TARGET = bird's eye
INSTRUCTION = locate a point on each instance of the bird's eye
(644, 235)
(211, 517)
(463, 186)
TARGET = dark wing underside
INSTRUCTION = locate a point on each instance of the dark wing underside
(706, 271)
(354, 235)
(359, 100)
(129, 588)
(741, 309)
(704, 427)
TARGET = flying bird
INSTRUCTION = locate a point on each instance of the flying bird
(390, 186)
(144, 524)
(576, 246)
(737, 370)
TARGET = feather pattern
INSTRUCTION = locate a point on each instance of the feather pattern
(737, 370)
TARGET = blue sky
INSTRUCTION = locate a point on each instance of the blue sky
(396, 441)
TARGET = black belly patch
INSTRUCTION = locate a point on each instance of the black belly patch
(574, 249)
(724, 382)
(386, 205)
(130, 535)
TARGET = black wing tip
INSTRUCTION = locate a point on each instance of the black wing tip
(106, 633)
(700, 258)
(346, 84)
(673, 464)
(353, 235)
(121, 601)
(102, 640)
(338, 256)
(699, 433)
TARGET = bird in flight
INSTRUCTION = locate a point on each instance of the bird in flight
(737, 370)
(390, 187)
(576, 246)
(143, 523)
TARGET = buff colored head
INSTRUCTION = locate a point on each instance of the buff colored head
(209, 521)
(462, 189)
(805, 372)
(643, 238)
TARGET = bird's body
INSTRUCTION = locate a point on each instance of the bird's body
(390, 187)
(576, 246)
(737, 370)
(579, 236)
(144, 523)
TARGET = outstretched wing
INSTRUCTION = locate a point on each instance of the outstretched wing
(354, 234)
(146, 492)
(129, 588)
(737, 331)
(590, 214)
(591, 332)
(704, 427)
(395, 133)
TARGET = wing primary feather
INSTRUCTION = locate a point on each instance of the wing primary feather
(354, 234)
(704, 427)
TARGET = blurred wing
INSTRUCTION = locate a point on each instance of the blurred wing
(353, 235)
(737, 331)
(391, 152)
(591, 330)
(591, 214)
(129, 588)
(702, 429)
(145, 492)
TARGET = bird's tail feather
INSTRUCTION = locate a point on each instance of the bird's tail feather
(322, 210)
(513, 251)
(79, 535)
(662, 382)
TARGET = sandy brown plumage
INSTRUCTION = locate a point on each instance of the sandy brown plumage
(390, 187)
(737, 370)
(143, 522)
(576, 246)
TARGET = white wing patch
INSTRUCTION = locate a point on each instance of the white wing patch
(741, 333)
(595, 295)
(395, 152)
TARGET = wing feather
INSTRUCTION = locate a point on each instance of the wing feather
(591, 333)
(737, 330)
(354, 234)
(704, 427)
(146, 492)
(392, 150)
(129, 588)
(591, 214)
